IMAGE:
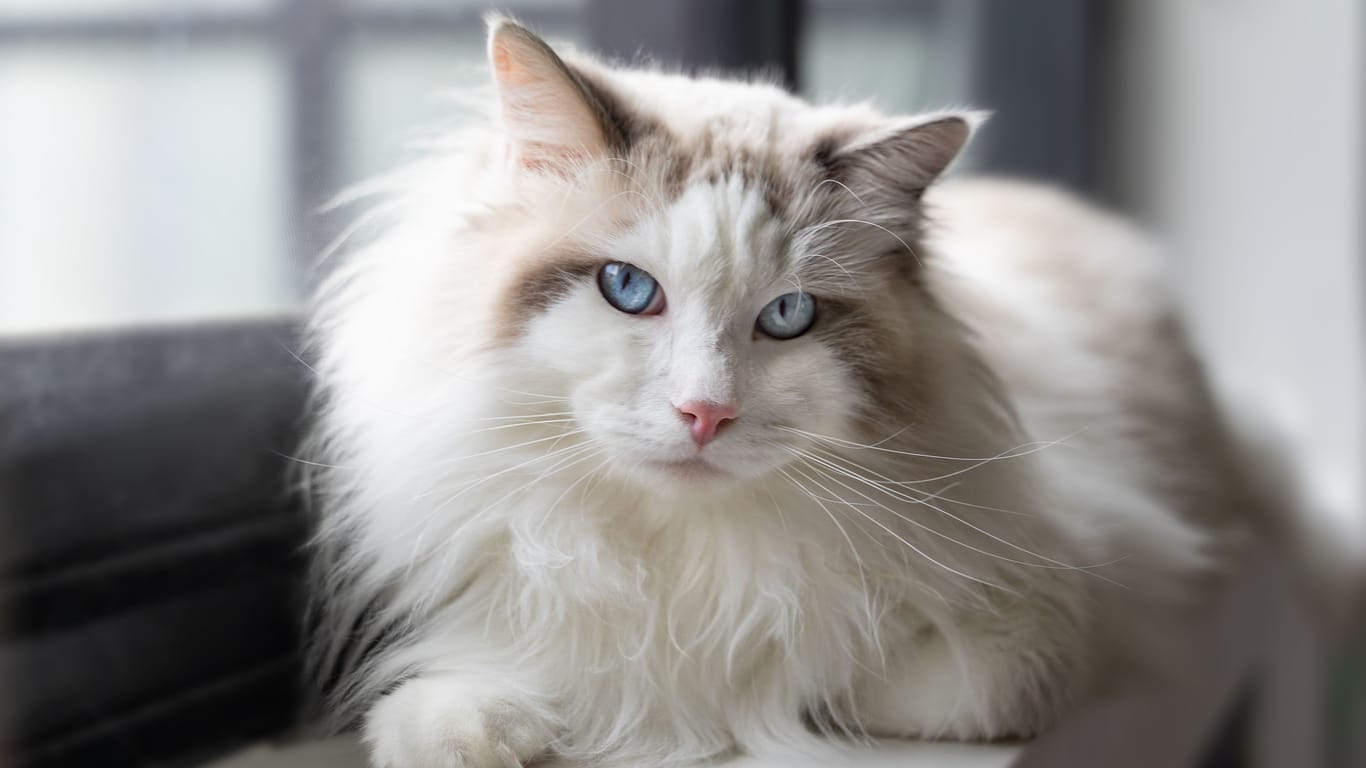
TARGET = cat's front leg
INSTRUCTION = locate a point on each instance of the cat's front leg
(971, 684)
(454, 720)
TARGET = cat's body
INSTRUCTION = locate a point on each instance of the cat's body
(936, 513)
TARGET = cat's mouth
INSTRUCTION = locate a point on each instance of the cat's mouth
(695, 468)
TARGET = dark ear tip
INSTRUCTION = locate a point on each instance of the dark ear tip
(953, 128)
(970, 121)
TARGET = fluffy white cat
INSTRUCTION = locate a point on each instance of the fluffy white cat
(670, 418)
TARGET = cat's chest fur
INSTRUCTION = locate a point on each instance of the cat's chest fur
(756, 593)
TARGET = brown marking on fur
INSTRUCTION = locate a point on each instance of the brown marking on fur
(1180, 426)
(658, 149)
(710, 158)
(620, 126)
(904, 163)
(758, 168)
(535, 288)
(824, 153)
(879, 350)
(883, 182)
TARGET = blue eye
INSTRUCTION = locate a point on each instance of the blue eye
(788, 316)
(630, 289)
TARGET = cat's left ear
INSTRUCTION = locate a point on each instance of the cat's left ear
(901, 161)
(554, 118)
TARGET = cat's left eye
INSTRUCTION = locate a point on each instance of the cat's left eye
(787, 316)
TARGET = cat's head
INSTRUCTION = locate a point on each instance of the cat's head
(709, 271)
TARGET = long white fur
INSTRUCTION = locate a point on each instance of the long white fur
(491, 523)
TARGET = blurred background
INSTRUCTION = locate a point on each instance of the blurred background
(162, 167)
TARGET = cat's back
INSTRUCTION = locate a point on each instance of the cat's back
(1071, 308)
(1059, 294)
(1045, 252)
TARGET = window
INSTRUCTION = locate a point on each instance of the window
(165, 161)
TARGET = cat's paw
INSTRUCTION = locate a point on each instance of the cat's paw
(444, 722)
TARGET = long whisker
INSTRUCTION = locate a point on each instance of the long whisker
(1013, 453)
(833, 222)
(853, 550)
(939, 494)
(1023, 449)
(535, 415)
(1054, 564)
(505, 448)
(306, 462)
(901, 539)
(551, 509)
(576, 453)
(564, 464)
(836, 264)
(526, 424)
(515, 425)
(466, 488)
(573, 458)
(842, 185)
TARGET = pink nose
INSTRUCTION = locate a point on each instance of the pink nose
(705, 419)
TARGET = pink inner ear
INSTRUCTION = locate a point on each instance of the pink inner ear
(549, 158)
(505, 66)
(530, 155)
(554, 104)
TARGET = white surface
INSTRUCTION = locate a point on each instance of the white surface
(343, 753)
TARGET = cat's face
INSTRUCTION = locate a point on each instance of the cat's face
(690, 346)
(707, 296)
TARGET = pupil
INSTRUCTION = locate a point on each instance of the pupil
(625, 278)
(782, 308)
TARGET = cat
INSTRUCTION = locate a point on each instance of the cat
(671, 418)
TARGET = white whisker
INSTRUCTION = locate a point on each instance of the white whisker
(833, 222)
(908, 544)
(853, 550)
(1023, 449)
(467, 456)
(1051, 563)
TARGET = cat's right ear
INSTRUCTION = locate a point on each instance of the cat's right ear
(896, 164)
(555, 120)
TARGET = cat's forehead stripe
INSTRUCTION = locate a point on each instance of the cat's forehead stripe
(777, 171)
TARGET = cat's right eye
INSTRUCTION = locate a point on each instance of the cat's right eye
(630, 289)
(787, 316)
